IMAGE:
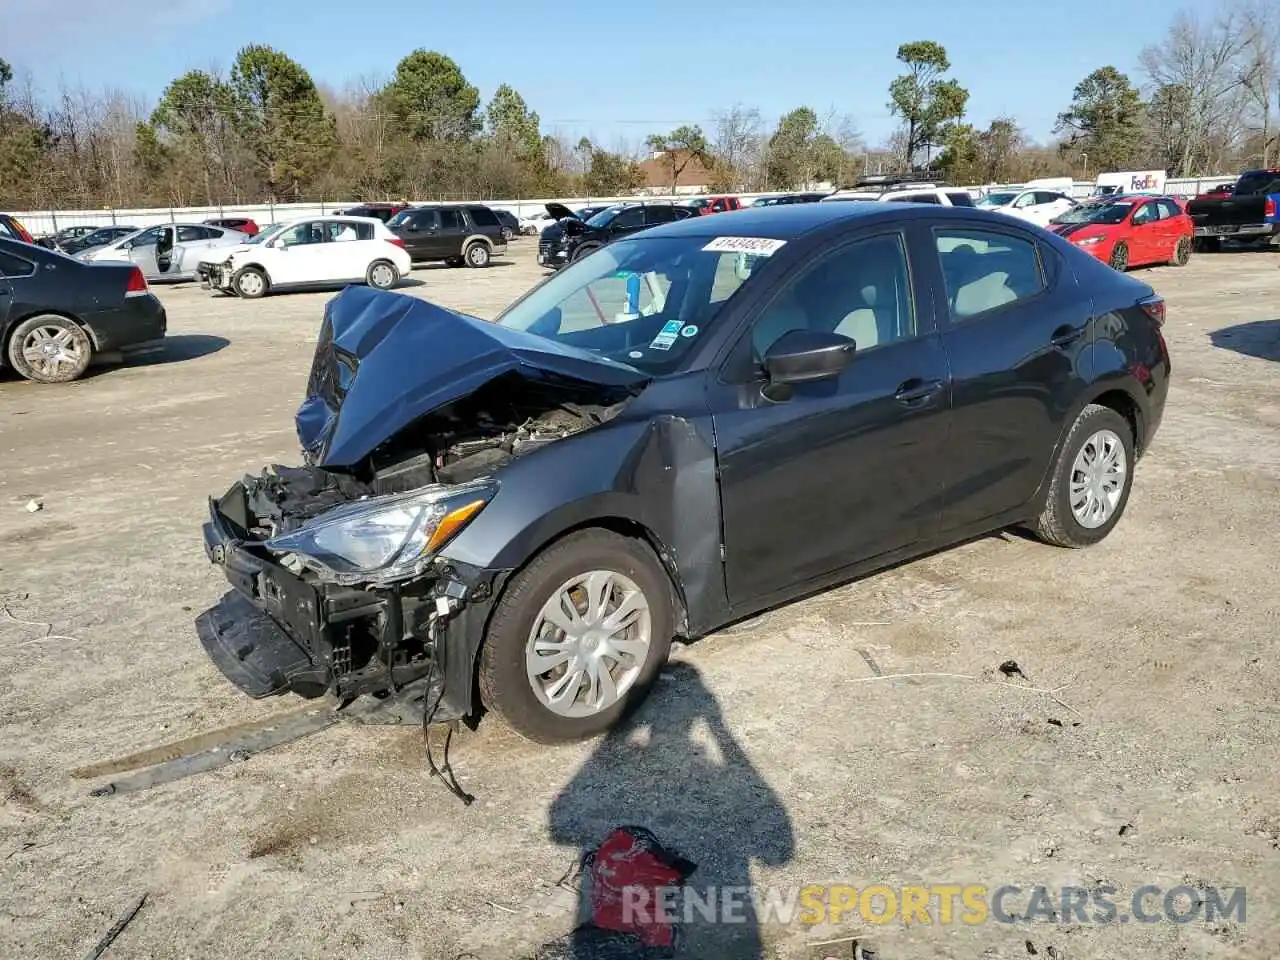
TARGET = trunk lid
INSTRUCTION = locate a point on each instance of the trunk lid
(384, 359)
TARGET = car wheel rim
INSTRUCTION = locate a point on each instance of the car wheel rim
(589, 643)
(1121, 258)
(251, 284)
(1098, 479)
(478, 256)
(382, 276)
(50, 350)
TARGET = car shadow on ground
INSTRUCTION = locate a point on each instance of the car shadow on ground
(179, 347)
(444, 266)
(1259, 338)
(676, 770)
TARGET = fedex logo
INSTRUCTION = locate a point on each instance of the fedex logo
(1138, 184)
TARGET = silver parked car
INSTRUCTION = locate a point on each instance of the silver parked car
(169, 251)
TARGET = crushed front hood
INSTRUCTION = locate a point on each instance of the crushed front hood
(385, 359)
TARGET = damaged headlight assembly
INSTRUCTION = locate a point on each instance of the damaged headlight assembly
(380, 540)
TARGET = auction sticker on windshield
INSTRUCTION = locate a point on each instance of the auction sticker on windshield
(760, 246)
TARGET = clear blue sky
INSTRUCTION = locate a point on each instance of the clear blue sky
(611, 69)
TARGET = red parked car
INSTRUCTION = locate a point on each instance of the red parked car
(703, 206)
(241, 224)
(1130, 231)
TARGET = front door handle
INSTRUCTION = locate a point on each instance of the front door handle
(915, 391)
(1066, 335)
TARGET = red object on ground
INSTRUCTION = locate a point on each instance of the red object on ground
(628, 872)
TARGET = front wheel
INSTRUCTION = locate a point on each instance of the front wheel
(1091, 480)
(1120, 258)
(578, 638)
(50, 349)
(382, 275)
(584, 251)
(250, 283)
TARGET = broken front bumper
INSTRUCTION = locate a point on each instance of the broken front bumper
(276, 633)
(213, 276)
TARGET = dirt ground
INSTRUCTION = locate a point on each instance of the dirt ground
(761, 756)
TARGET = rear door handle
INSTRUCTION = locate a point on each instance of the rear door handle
(1066, 335)
(915, 391)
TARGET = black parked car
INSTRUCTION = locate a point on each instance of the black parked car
(460, 234)
(510, 224)
(788, 198)
(672, 434)
(58, 314)
(99, 238)
(572, 236)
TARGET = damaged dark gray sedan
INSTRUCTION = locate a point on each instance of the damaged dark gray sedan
(683, 429)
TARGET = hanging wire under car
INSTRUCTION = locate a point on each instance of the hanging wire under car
(442, 772)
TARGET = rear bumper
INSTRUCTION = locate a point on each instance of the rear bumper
(1252, 231)
(138, 326)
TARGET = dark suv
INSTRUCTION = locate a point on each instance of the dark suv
(379, 211)
(571, 239)
(460, 234)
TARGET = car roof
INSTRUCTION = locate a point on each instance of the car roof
(790, 221)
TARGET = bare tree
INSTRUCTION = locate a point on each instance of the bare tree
(1205, 61)
(1261, 66)
(737, 143)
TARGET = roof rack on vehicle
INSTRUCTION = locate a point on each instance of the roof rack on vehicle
(891, 181)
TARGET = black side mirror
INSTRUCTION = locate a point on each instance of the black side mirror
(802, 356)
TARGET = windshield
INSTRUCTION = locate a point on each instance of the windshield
(643, 302)
(603, 218)
(1096, 213)
(997, 199)
(265, 235)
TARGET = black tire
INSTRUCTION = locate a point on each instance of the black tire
(1120, 257)
(250, 283)
(476, 255)
(74, 349)
(455, 262)
(1057, 523)
(584, 251)
(505, 687)
(1208, 244)
(1182, 253)
(377, 275)
(508, 234)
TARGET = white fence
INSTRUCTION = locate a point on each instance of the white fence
(41, 222)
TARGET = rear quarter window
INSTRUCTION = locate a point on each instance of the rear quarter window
(960, 198)
(11, 266)
(483, 217)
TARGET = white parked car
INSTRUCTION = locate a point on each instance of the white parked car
(315, 252)
(1037, 206)
(906, 193)
(171, 251)
(534, 223)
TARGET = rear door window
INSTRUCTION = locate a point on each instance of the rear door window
(659, 214)
(984, 270)
(450, 219)
(632, 217)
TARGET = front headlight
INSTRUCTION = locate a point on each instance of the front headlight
(1088, 242)
(383, 539)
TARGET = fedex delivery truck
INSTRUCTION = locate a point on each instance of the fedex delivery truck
(1130, 181)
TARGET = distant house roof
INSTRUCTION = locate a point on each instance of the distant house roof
(657, 171)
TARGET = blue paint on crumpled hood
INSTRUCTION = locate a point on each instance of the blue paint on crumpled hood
(384, 359)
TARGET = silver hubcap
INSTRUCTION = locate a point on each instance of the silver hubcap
(382, 276)
(478, 255)
(588, 643)
(50, 350)
(251, 284)
(1097, 479)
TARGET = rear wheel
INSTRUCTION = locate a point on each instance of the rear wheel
(1091, 480)
(578, 637)
(476, 255)
(1120, 258)
(250, 283)
(382, 274)
(50, 349)
(1182, 252)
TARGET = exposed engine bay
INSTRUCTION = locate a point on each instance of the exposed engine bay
(466, 439)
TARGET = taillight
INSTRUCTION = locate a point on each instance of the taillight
(137, 285)
(396, 242)
(1270, 209)
(1153, 307)
(23, 234)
